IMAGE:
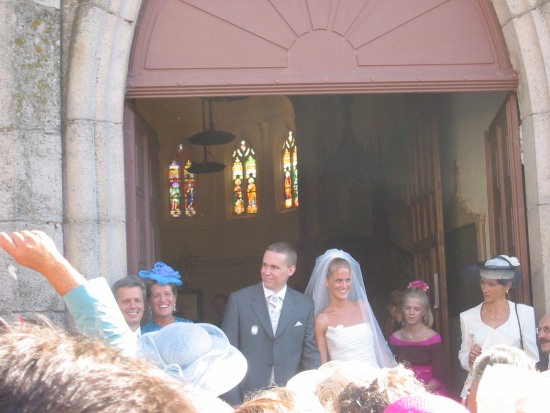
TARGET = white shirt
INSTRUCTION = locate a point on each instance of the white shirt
(281, 294)
(274, 308)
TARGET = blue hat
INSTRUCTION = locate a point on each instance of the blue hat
(502, 267)
(199, 354)
(162, 274)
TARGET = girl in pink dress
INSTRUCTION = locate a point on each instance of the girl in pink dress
(417, 345)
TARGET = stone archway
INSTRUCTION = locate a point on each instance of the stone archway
(99, 39)
(192, 47)
(98, 43)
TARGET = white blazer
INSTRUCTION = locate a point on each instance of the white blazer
(475, 331)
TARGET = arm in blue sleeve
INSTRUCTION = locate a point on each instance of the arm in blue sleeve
(97, 314)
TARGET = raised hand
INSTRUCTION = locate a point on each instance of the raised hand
(37, 251)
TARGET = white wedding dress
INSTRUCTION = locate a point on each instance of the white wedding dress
(352, 343)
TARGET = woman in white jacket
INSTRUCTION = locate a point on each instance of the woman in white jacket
(497, 320)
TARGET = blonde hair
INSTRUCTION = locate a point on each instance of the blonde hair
(336, 264)
(420, 294)
(391, 385)
(343, 374)
(278, 400)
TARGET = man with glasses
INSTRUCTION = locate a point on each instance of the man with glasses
(543, 333)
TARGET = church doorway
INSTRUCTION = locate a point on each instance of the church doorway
(390, 135)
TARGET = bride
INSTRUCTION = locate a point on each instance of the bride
(345, 326)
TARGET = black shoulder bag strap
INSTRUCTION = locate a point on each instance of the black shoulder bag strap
(519, 325)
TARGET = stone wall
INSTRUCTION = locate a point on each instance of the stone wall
(31, 166)
(61, 158)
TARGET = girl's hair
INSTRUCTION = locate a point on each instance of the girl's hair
(412, 292)
(396, 299)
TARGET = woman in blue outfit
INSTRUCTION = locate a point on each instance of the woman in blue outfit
(162, 290)
(198, 355)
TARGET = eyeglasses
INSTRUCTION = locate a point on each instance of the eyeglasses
(545, 330)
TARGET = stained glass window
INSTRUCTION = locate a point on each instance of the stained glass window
(177, 207)
(175, 189)
(189, 187)
(244, 180)
(290, 172)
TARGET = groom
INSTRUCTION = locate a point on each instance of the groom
(272, 325)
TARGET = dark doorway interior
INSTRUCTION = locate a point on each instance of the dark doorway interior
(349, 191)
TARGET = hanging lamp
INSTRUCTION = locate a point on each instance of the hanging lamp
(206, 138)
(350, 159)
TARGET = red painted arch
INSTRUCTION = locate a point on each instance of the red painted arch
(220, 47)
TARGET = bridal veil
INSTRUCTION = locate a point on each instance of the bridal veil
(318, 291)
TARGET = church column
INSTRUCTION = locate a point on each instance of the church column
(98, 38)
(524, 25)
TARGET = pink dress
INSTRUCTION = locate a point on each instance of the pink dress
(425, 358)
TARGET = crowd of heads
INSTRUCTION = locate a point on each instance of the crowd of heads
(82, 374)
(343, 387)
(339, 388)
(186, 367)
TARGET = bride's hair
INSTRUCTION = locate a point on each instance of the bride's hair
(338, 263)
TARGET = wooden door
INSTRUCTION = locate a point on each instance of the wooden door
(416, 180)
(507, 222)
(142, 191)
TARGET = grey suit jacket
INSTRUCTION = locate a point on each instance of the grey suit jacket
(291, 350)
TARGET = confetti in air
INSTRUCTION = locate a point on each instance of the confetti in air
(11, 272)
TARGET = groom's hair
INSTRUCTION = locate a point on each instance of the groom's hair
(286, 249)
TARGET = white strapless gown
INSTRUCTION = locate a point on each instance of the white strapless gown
(353, 343)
